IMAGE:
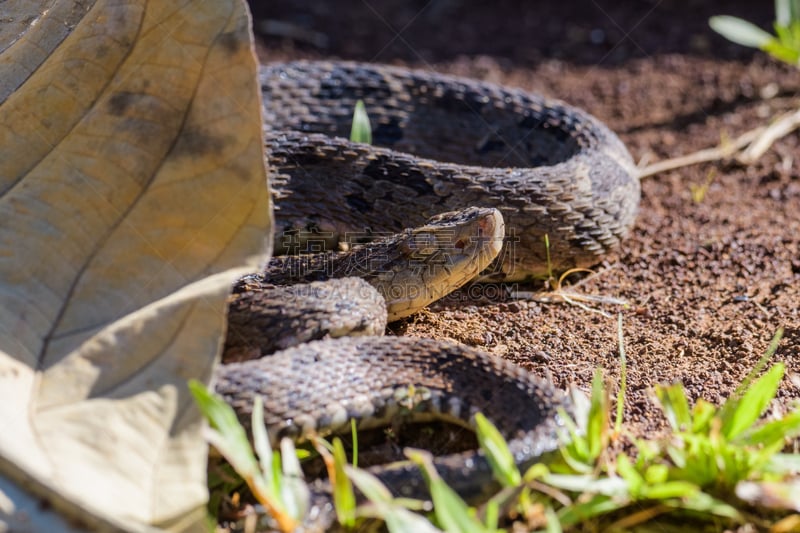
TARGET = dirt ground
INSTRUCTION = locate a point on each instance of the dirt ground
(708, 282)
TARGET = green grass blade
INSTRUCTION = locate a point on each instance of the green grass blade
(575, 461)
(740, 31)
(702, 502)
(354, 439)
(785, 52)
(262, 446)
(623, 376)
(786, 12)
(452, 513)
(784, 463)
(294, 493)
(492, 514)
(344, 499)
(702, 414)
(609, 486)
(760, 364)
(399, 520)
(760, 462)
(361, 131)
(580, 512)
(753, 403)
(229, 436)
(783, 12)
(574, 448)
(536, 471)
(656, 474)
(784, 34)
(669, 490)
(633, 479)
(394, 511)
(672, 399)
(497, 453)
(730, 405)
(647, 451)
(775, 431)
(551, 520)
(597, 424)
(219, 414)
(546, 239)
(369, 485)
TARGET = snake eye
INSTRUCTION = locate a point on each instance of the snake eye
(421, 244)
(460, 244)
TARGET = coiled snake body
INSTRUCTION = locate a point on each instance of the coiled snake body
(442, 143)
(550, 169)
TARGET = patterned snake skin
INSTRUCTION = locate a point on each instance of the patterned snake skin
(549, 168)
(441, 144)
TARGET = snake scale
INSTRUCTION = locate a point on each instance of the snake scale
(441, 144)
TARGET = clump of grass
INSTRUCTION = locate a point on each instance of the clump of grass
(712, 455)
(714, 462)
(276, 480)
(696, 471)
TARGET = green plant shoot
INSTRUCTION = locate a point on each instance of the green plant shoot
(784, 45)
(361, 131)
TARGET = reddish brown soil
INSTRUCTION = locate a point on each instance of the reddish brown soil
(709, 281)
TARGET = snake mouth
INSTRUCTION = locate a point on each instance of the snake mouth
(493, 230)
(443, 255)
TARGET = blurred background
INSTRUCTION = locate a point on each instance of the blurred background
(597, 32)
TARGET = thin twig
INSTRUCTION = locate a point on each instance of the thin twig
(639, 517)
(780, 128)
(746, 148)
(716, 153)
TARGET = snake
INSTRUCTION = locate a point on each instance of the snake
(505, 185)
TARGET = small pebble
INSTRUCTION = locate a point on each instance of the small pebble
(540, 356)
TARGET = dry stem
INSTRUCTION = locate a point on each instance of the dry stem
(746, 148)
